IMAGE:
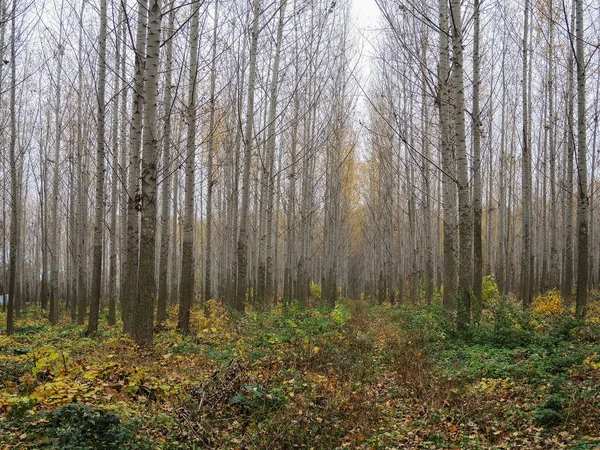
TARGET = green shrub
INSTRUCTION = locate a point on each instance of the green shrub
(506, 326)
(550, 412)
(489, 290)
(315, 290)
(78, 427)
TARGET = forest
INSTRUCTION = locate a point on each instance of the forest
(321, 224)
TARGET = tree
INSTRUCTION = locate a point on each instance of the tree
(465, 223)
(447, 165)
(129, 287)
(477, 209)
(186, 296)
(582, 188)
(242, 246)
(56, 225)
(211, 153)
(14, 187)
(526, 173)
(100, 175)
(144, 306)
(167, 169)
(112, 276)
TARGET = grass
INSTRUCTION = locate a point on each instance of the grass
(360, 376)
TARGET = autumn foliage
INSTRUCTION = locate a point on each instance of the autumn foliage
(358, 376)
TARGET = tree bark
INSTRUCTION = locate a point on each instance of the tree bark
(167, 169)
(130, 284)
(583, 200)
(54, 281)
(449, 299)
(211, 152)
(100, 174)
(526, 174)
(477, 209)
(14, 187)
(186, 296)
(567, 284)
(242, 247)
(145, 301)
(465, 224)
(112, 277)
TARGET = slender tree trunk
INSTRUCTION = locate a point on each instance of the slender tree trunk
(100, 174)
(44, 222)
(112, 287)
(175, 256)
(583, 200)
(14, 187)
(167, 169)
(54, 277)
(526, 174)
(271, 154)
(426, 180)
(477, 209)
(242, 248)
(82, 277)
(211, 152)
(130, 287)
(465, 224)
(145, 301)
(124, 198)
(4, 178)
(291, 276)
(187, 256)
(449, 299)
(567, 284)
(554, 271)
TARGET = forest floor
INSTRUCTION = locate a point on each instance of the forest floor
(360, 376)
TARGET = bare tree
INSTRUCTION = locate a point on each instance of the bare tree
(146, 297)
(96, 290)
(186, 296)
(582, 188)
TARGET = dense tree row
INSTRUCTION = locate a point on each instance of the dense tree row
(160, 152)
(215, 137)
(490, 171)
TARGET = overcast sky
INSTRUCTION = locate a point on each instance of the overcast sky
(365, 17)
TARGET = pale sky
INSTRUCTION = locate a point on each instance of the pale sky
(365, 17)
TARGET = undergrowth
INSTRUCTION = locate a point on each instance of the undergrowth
(357, 376)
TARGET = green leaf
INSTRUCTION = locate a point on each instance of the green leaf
(237, 400)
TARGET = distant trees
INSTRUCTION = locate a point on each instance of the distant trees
(238, 159)
(538, 210)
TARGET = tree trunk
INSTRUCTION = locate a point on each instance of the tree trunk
(526, 175)
(167, 169)
(186, 297)
(211, 152)
(242, 247)
(112, 277)
(144, 306)
(54, 281)
(14, 187)
(426, 195)
(99, 216)
(130, 282)
(465, 224)
(271, 155)
(82, 186)
(477, 210)
(554, 271)
(567, 284)
(449, 299)
(583, 200)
